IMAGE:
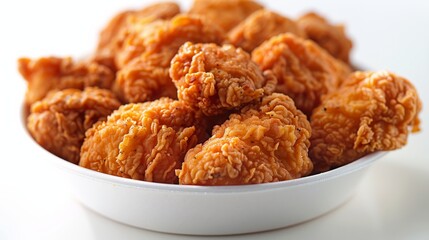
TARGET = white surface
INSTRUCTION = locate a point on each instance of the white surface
(391, 202)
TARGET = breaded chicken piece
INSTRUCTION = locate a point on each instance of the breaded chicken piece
(52, 73)
(260, 26)
(158, 41)
(225, 13)
(216, 78)
(148, 52)
(108, 39)
(59, 121)
(372, 111)
(265, 143)
(330, 37)
(145, 141)
(304, 71)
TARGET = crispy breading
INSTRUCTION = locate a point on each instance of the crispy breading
(260, 26)
(144, 141)
(147, 53)
(111, 33)
(371, 111)
(52, 73)
(330, 37)
(216, 78)
(264, 143)
(159, 40)
(225, 13)
(304, 71)
(59, 121)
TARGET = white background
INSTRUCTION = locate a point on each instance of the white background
(391, 203)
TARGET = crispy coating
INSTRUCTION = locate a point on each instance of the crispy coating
(158, 41)
(52, 73)
(148, 52)
(304, 71)
(260, 26)
(372, 111)
(144, 141)
(330, 37)
(215, 78)
(139, 81)
(111, 33)
(225, 13)
(264, 143)
(59, 121)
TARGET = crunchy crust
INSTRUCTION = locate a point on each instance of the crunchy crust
(260, 26)
(265, 143)
(59, 121)
(372, 111)
(215, 78)
(145, 141)
(330, 37)
(304, 71)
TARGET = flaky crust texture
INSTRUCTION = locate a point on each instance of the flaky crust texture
(215, 79)
(225, 13)
(304, 71)
(265, 143)
(372, 111)
(145, 141)
(59, 121)
(260, 26)
(111, 33)
(52, 73)
(330, 37)
(158, 41)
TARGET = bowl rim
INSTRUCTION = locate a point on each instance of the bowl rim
(133, 183)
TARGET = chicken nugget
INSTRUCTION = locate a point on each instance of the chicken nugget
(371, 111)
(266, 142)
(304, 71)
(143, 141)
(216, 78)
(59, 121)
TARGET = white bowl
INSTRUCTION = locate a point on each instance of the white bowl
(199, 210)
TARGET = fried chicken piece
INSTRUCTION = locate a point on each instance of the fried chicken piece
(144, 141)
(158, 41)
(264, 143)
(59, 121)
(110, 35)
(260, 26)
(304, 71)
(215, 78)
(330, 37)
(372, 111)
(225, 13)
(148, 54)
(52, 73)
(139, 81)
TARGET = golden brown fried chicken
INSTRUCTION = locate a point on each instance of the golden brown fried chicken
(158, 41)
(59, 121)
(264, 143)
(110, 35)
(145, 141)
(330, 37)
(372, 111)
(304, 71)
(215, 78)
(51, 73)
(225, 13)
(148, 51)
(260, 26)
(140, 81)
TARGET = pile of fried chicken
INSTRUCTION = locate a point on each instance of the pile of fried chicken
(227, 93)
